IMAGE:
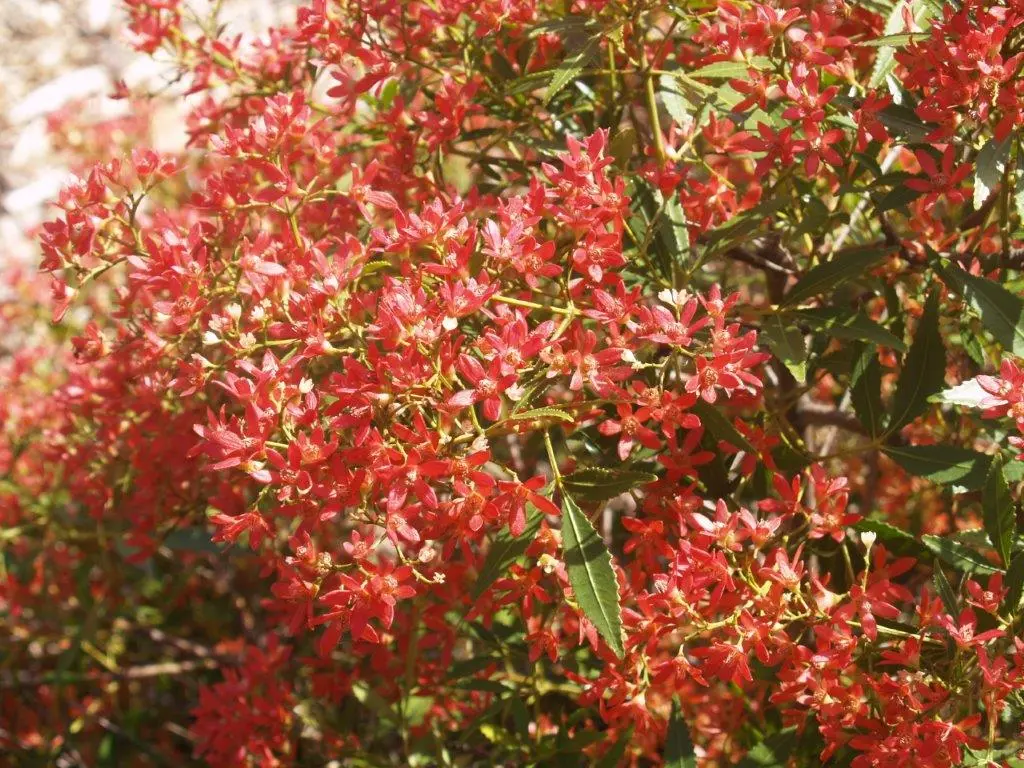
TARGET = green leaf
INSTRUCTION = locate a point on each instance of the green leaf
(599, 484)
(924, 370)
(538, 414)
(866, 391)
(894, 41)
(943, 464)
(1001, 312)
(613, 757)
(968, 394)
(957, 555)
(788, 344)
(591, 575)
(989, 168)
(373, 701)
(885, 62)
(1014, 584)
(571, 67)
(720, 427)
(945, 590)
(506, 549)
(844, 324)
(676, 103)
(999, 513)
(679, 751)
(622, 147)
(844, 266)
(731, 70)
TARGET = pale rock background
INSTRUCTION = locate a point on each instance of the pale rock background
(54, 52)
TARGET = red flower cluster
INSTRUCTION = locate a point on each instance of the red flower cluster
(493, 382)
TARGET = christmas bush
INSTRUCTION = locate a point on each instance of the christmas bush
(529, 382)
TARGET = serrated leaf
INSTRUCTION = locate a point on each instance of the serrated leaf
(731, 70)
(788, 344)
(844, 266)
(989, 168)
(591, 575)
(537, 414)
(895, 41)
(866, 391)
(676, 103)
(999, 515)
(945, 590)
(943, 464)
(719, 427)
(885, 62)
(968, 394)
(1001, 312)
(924, 369)
(506, 549)
(571, 68)
(599, 484)
(958, 555)
(844, 324)
(679, 752)
(1014, 584)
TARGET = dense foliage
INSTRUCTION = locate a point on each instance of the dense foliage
(529, 382)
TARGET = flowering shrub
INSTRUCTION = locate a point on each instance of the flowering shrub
(530, 382)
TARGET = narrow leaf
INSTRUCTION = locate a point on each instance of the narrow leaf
(998, 509)
(505, 550)
(989, 168)
(788, 344)
(945, 590)
(538, 414)
(598, 484)
(844, 266)
(1001, 312)
(924, 370)
(720, 427)
(866, 391)
(958, 555)
(845, 324)
(571, 68)
(1014, 584)
(679, 752)
(731, 70)
(943, 464)
(591, 575)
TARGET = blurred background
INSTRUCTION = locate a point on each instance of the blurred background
(60, 61)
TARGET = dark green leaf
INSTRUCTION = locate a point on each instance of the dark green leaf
(945, 590)
(678, 744)
(866, 391)
(788, 344)
(844, 266)
(613, 757)
(924, 370)
(999, 515)
(571, 68)
(591, 575)
(1001, 312)
(505, 550)
(731, 69)
(720, 427)
(844, 324)
(958, 555)
(1014, 584)
(598, 484)
(943, 464)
